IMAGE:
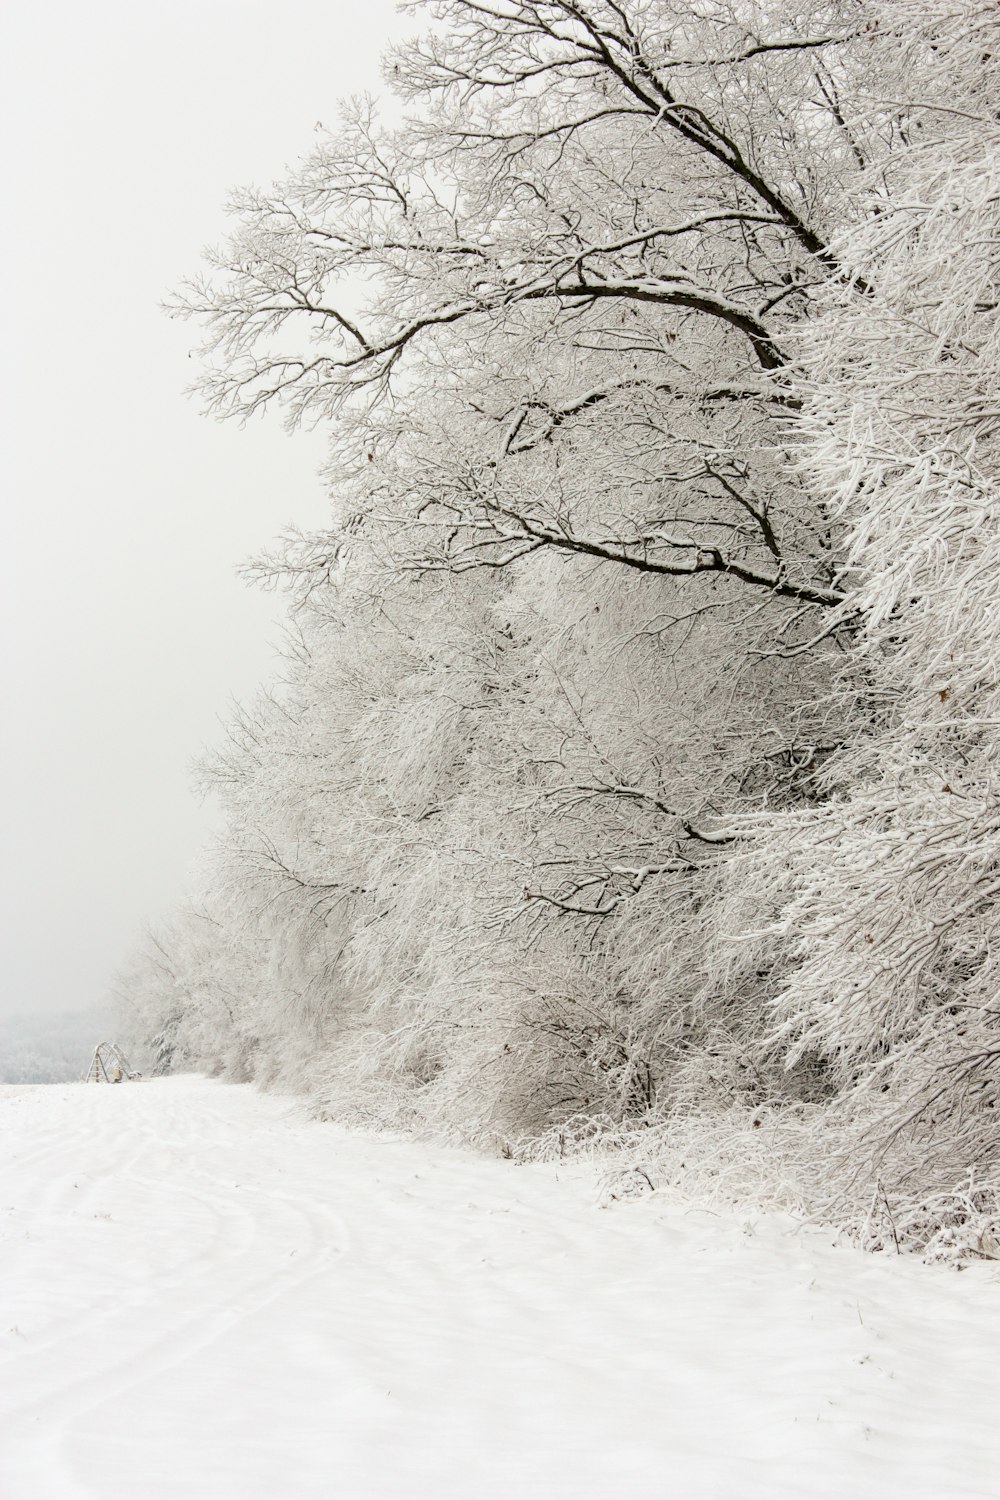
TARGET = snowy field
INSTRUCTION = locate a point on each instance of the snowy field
(205, 1295)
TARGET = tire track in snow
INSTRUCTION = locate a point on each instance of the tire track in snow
(260, 1243)
(480, 1333)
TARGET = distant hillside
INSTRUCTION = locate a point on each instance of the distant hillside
(48, 1047)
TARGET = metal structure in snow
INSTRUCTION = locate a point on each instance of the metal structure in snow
(108, 1065)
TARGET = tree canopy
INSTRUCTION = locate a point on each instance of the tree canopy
(630, 775)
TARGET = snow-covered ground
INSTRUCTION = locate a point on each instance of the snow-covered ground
(205, 1295)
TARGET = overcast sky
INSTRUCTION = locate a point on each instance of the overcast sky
(125, 630)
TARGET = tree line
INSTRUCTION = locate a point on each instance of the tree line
(629, 779)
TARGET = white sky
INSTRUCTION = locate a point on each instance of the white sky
(125, 632)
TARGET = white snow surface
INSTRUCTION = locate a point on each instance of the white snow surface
(207, 1296)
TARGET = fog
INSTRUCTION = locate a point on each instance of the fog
(125, 628)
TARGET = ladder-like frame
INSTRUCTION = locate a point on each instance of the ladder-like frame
(108, 1065)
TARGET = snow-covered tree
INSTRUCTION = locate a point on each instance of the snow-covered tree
(633, 749)
(884, 900)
